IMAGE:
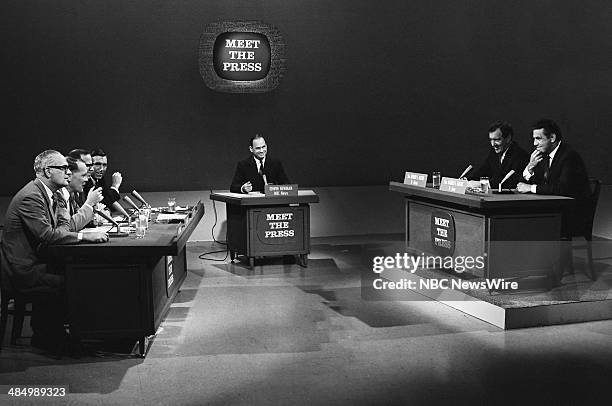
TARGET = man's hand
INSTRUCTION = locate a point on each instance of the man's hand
(523, 187)
(94, 196)
(116, 180)
(536, 157)
(247, 187)
(95, 237)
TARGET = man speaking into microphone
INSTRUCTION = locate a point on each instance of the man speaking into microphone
(256, 171)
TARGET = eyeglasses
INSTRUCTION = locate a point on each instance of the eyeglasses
(99, 164)
(89, 165)
(64, 168)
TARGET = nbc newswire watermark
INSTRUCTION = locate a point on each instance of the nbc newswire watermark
(388, 275)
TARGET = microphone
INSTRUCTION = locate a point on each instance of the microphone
(510, 173)
(137, 196)
(465, 171)
(265, 179)
(117, 233)
(131, 203)
(121, 210)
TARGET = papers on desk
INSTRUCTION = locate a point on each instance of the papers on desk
(105, 228)
(168, 217)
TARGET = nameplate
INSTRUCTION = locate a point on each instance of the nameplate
(281, 190)
(415, 179)
(453, 185)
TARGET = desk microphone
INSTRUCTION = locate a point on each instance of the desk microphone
(466, 171)
(121, 210)
(117, 233)
(510, 173)
(137, 196)
(264, 179)
(131, 203)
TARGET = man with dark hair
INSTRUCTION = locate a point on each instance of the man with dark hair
(256, 171)
(505, 155)
(35, 219)
(80, 214)
(85, 156)
(100, 165)
(555, 168)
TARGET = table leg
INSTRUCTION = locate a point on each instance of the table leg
(252, 262)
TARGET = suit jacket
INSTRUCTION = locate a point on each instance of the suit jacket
(567, 177)
(80, 215)
(516, 158)
(109, 194)
(30, 226)
(247, 171)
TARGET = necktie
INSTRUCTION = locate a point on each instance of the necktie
(546, 163)
(58, 204)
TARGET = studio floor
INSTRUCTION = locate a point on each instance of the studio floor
(284, 335)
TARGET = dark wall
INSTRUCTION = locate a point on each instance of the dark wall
(372, 88)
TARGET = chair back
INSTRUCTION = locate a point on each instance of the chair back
(594, 188)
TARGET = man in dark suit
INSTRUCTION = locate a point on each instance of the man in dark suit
(505, 155)
(109, 191)
(555, 168)
(35, 219)
(258, 169)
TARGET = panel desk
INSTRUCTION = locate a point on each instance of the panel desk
(259, 226)
(124, 287)
(518, 235)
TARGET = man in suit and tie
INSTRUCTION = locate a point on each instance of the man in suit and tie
(36, 218)
(256, 171)
(80, 214)
(109, 191)
(505, 155)
(85, 156)
(555, 168)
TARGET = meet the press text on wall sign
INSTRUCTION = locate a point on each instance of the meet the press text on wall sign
(242, 56)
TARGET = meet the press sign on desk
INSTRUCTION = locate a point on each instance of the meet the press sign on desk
(280, 225)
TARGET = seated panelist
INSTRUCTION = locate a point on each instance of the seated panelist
(505, 155)
(36, 218)
(555, 168)
(109, 191)
(256, 171)
(80, 214)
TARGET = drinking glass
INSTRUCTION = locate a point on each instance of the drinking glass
(435, 180)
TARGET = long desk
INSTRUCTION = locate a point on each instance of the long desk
(124, 288)
(259, 226)
(517, 234)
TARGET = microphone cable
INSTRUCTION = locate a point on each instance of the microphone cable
(226, 250)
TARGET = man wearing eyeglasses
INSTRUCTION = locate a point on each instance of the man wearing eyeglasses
(100, 165)
(34, 220)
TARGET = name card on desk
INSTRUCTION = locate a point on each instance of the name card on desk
(453, 185)
(415, 179)
(281, 190)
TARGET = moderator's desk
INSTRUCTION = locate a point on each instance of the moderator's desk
(259, 226)
(124, 288)
(517, 234)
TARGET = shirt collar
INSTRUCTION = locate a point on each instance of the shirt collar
(554, 151)
(258, 162)
(49, 192)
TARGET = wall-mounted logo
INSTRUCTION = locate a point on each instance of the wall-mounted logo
(241, 56)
